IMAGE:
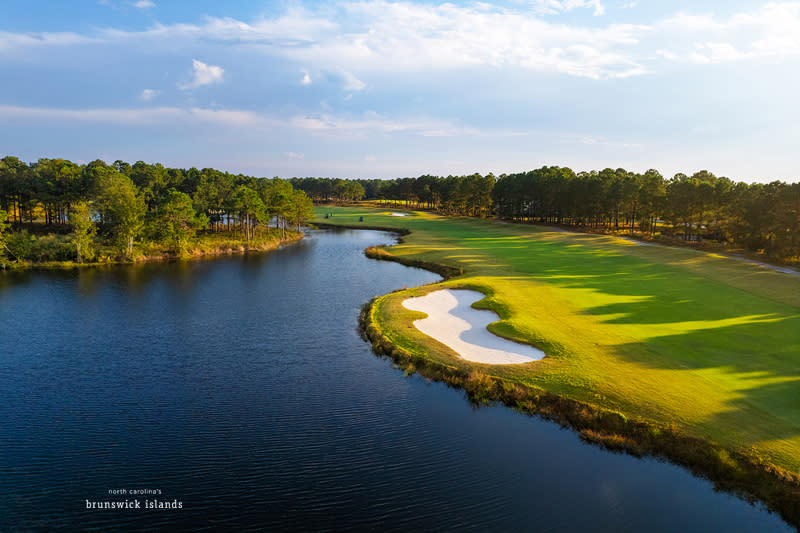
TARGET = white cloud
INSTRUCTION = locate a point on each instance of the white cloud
(203, 75)
(770, 30)
(144, 4)
(103, 115)
(692, 22)
(344, 79)
(233, 117)
(357, 39)
(370, 124)
(719, 52)
(295, 155)
(296, 26)
(420, 37)
(552, 7)
(351, 83)
(9, 40)
(366, 125)
(370, 158)
(127, 116)
(591, 140)
(149, 94)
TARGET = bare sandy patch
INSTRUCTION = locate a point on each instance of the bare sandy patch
(396, 214)
(453, 322)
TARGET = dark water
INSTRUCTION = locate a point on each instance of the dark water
(240, 388)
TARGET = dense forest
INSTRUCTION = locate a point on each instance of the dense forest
(757, 217)
(122, 206)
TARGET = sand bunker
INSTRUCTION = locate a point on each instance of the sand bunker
(396, 214)
(452, 321)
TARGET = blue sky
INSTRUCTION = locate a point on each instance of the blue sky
(378, 88)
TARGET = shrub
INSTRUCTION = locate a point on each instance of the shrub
(26, 247)
(19, 243)
(51, 248)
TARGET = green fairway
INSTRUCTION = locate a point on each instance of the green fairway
(706, 344)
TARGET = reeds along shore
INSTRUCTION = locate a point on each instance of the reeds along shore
(216, 245)
(746, 476)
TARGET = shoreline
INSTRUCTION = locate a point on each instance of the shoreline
(216, 251)
(745, 476)
(729, 471)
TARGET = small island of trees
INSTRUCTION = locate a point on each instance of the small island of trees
(57, 210)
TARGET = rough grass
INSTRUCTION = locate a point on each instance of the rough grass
(204, 244)
(705, 345)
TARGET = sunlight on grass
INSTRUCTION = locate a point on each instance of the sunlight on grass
(752, 380)
(490, 240)
(651, 331)
(576, 276)
(700, 341)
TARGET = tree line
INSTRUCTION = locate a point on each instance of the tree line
(756, 216)
(122, 204)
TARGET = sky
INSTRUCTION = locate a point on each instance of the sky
(384, 89)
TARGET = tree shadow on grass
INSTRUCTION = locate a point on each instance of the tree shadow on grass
(648, 293)
(749, 343)
(769, 343)
(770, 401)
(712, 317)
(756, 364)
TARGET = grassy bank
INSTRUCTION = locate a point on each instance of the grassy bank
(686, 344)
(53, 251)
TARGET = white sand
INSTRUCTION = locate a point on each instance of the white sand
(453, 322)
(396, 214)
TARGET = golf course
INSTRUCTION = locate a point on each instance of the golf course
(703, 345)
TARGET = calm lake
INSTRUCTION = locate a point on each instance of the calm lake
(239, 388)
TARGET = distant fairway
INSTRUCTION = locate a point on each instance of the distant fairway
(708, 344)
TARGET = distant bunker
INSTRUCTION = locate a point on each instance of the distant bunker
(453, 322)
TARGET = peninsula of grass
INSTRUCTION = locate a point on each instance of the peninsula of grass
(656, 350)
